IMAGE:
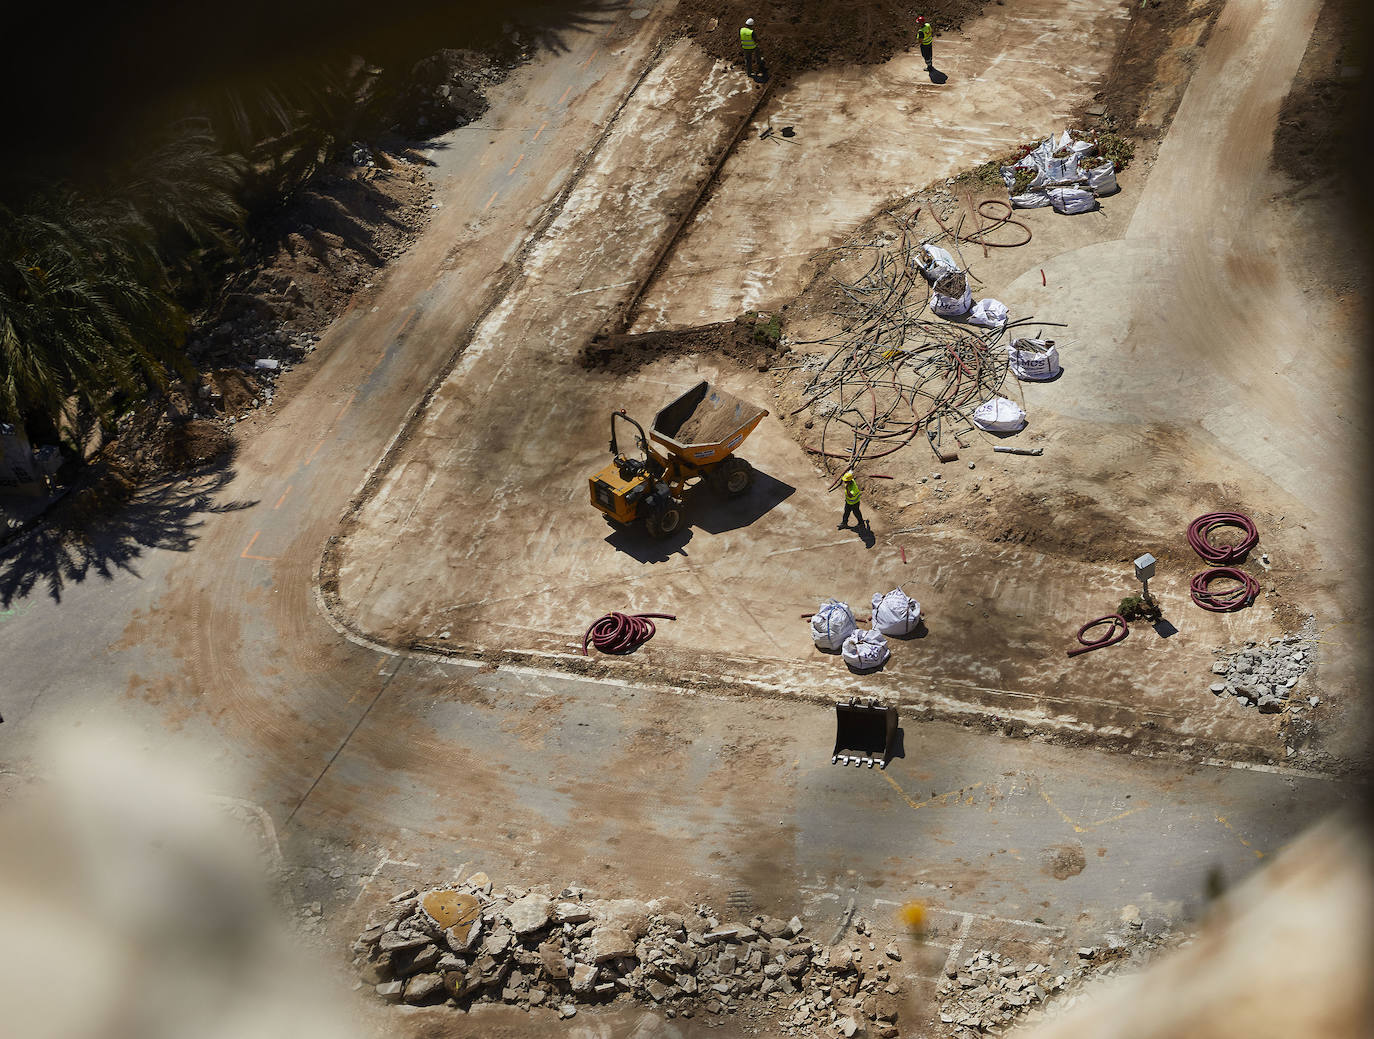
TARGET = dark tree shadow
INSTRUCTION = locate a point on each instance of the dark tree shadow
(106, 527)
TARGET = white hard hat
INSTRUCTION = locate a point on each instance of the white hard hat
(748, 21)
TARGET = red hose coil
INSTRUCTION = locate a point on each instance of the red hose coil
(1117, 632)
(1227, 600)
(622, 632)
(1199, 536)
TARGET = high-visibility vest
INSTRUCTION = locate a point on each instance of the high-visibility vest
(746, 38)
(851, 493)
(926, 34)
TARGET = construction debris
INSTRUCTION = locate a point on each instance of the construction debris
(894, 372)
(1266, 675)
(988, 991)
(530, 947)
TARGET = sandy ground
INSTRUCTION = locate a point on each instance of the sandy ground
(866, 134)
(484, 542)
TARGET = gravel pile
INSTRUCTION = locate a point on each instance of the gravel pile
(464, 944)
(1267, 675)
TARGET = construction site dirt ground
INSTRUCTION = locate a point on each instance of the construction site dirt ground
(1188, 387)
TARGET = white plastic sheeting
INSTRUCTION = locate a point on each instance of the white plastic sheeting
(999, 415)
(990, 313)
(832, 624)
(865, 650)
(1071, 200)
(1033, 359)
(895, 613)
(1030, 200)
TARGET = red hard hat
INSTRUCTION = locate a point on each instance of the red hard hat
(920, 20)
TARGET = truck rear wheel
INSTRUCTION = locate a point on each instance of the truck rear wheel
(735, 476)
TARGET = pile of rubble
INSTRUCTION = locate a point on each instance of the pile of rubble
(463, 944)
(1266, 675)
(989, 992)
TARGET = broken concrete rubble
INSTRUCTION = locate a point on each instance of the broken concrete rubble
(538, 950)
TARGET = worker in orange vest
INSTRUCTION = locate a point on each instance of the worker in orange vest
(749, 43)
(925, 36)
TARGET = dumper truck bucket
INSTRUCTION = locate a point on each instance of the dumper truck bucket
(865, 733)
(705, 424)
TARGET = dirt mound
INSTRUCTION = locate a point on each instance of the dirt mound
(194, 443)
(795, 35)
(751, 341)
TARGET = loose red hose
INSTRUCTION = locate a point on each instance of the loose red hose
(1199, 536)
(622, 632)
(1118, 632)
(1228, 600)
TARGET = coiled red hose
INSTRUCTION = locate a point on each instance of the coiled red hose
(1117, 632)
(622, 632)
(1199, 536)
(1229, 599)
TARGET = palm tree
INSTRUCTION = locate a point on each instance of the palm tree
(87, 307)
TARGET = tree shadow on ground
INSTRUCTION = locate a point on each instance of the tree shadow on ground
(106, 527)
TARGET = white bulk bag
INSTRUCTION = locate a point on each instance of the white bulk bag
(1063, 171)
(1079, 148)
(1030, 200)
(1102, 179)
(989, 313)
(832, 624)
(1071, 200)
(895, 613)
(865, 650)
(934, 262)
(1034, 359)
(999, 415)
(951, 306)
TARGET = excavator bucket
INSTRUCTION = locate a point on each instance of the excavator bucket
(865, 733)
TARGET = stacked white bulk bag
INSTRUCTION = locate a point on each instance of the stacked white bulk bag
(895, 613)
(1102, 178)
(832, 624)
(1079, 149)
(1071, 200)
(1033, 359)
(865, 650)
(990, 313)
(951, 296)
(999, 415)
(934, 262)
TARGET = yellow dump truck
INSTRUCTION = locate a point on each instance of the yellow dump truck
(692, 440)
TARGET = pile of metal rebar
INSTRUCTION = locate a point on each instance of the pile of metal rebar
(898, 373)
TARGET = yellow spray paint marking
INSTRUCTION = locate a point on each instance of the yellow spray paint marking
(1253, 850)
(1078, 827)
(944, 798)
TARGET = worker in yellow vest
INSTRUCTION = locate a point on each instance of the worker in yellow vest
(749, 43)
(925, 36)
(851, 502)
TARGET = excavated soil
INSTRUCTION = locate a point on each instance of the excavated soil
(1157, 28)
(744, 341)
(796, 35)
(1316, 135)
